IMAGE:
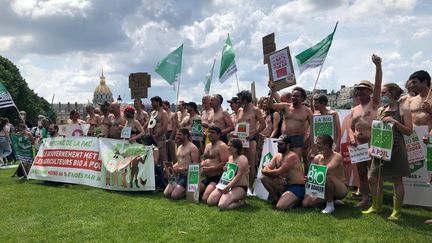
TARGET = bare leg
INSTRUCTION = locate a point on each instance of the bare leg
(209, 189)
(375, 185)
(362, 169)
(232, 199)
(398, 187)
(163, 156)
(287, 200)
(178, 192)
(309, 202)
(168, 190)
(272, 186)
(250, 154)
(214, 197)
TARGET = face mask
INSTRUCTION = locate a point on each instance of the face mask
(385, 100)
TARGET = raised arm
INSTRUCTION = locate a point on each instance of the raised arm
(376, 98)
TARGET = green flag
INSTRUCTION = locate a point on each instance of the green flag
(228, 66)
(315, 56)
(170, 67)
(5, 97)
(209, 77)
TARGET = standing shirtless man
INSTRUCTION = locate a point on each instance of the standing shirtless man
(295, 117)
(362, 116)
(220, 118)
(115, 121)
(215, 157)
(141, 115)
(158, 125)
(421, 108)
(251, 115)
(187, 153)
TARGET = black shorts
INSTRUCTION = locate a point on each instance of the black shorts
(210, 179)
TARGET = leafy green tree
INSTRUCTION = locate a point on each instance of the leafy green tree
(24, 97)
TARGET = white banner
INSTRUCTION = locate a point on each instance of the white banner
(268, 152)
(414, 146)
(104, 163)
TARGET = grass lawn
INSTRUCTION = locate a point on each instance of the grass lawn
(43, 211)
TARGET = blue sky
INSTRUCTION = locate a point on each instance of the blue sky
(61, 46)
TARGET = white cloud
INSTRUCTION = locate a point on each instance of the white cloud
(37, 8)
(421, 33)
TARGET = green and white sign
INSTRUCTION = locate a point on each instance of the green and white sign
(228, 175)
(323, 124)
(197, 130)
(193, 179)
(382, 140)
(22, 148)
(315, 186)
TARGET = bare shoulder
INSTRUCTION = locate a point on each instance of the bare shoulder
(243, 160)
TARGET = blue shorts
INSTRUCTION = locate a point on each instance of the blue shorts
(297, 189)
(297, 141)
(181, 180)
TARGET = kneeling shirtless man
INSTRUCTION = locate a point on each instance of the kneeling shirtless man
(187, 153)
(283, 176)
(335, 187)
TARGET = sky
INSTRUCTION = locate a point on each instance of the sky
(61, 46)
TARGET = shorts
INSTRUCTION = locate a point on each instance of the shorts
(210, 179)
(161, 142)
(297, 189)
(297, 141)
(181, 180)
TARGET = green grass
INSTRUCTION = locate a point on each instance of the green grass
(34, 211)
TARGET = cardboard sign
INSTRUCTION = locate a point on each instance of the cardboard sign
(269, 45)
(359, 154)
(126, 132)
(242, 131)
(414, 148)
(139, 83)
(382, 140)
(322, 124)
(315, 185)
(193, 180)
(197, 130)
(281, 69)
(227, 175)
(169, 173)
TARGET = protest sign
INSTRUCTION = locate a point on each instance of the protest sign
(382, 140)
(429, 155)
(360, 153)
(22, 148)
(139, 83)
(169, 172)
(322, 124)
(315, 185)
(268, 152)
(413, 147)
(104, 163)
(197, 130)
(242, 131)
(193, 180)
(74, 130)
(126, 132)
(281, 68)
(227, 176)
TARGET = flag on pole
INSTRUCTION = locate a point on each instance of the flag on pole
(228, 66)
(5, 97)
(314, 56)
(209, 77)
(170, 67)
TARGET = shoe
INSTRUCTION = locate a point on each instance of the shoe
(397, 209)
(376, 206)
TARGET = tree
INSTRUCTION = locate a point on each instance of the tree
(24, 97)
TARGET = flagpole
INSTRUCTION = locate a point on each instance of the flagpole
(322, 64)
(238, 87)
(178, 91)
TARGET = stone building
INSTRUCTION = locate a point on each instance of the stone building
(345, 95)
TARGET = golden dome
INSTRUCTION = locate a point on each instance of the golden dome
(102, 92)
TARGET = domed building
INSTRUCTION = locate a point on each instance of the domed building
(102, 92)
